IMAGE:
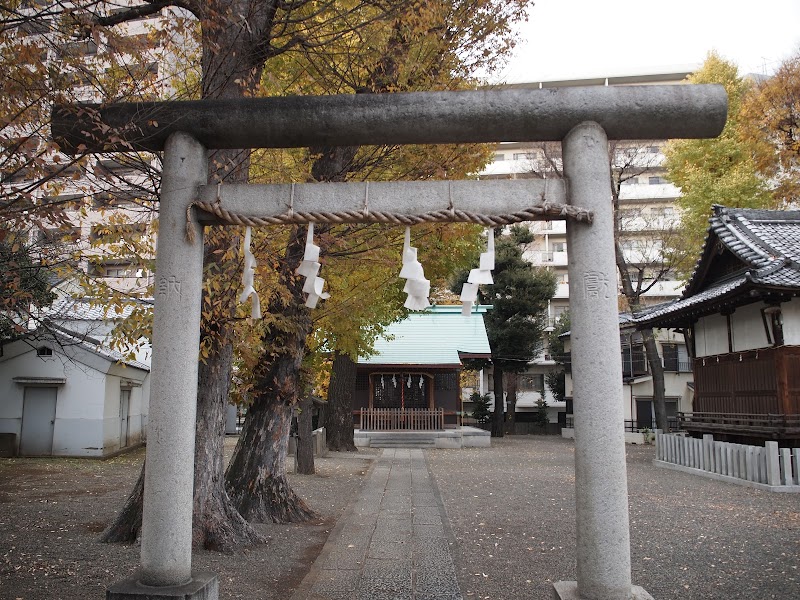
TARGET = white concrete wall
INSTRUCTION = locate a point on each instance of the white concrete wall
(87, 405)
(711, 335)
(111, 419)
(791, 322)
(747, 326)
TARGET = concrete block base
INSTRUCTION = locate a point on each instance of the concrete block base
(568, 590)
(474, 437)
(203, 586)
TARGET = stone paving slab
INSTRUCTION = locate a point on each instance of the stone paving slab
(392, 544)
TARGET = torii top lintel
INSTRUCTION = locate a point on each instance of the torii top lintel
(624, 112)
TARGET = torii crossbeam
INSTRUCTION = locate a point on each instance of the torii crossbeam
(583, 119)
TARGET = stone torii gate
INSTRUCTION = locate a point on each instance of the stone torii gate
(583, 119)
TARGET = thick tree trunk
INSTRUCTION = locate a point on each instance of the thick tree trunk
(128, 523)
(339, 421)
(305, 438)
(657, 371)
(497, 415)
(256, 476)
(216, 524)
(511, 402)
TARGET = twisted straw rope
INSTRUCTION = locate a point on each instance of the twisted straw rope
(540, 211)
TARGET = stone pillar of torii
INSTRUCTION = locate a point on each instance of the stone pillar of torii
(583, 119)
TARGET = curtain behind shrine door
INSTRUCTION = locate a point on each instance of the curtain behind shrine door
(400, 390)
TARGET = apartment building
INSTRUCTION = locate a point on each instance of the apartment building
(647, 217)
(90, 216)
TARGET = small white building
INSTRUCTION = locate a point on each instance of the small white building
(64, 395)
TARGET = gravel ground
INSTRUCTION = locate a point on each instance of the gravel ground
(512, 511)
(52, 511)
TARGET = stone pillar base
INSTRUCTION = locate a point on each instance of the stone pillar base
(203, 586)
(568, 590)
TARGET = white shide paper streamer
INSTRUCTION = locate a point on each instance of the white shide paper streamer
(417, 287)
(248, 276)
(481, 275)
(309, 269)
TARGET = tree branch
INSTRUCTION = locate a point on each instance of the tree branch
(144, 10)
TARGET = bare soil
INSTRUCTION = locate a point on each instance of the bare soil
(52, 511)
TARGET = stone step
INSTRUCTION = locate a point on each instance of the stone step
(401, 444)
(403, 440)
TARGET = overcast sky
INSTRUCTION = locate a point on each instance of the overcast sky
(591, 38)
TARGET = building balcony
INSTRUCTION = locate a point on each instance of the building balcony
(665, 289)
(635, 192)
(545, 258)
(562, 292)
(549, 227)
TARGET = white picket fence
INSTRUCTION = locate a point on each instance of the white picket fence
(767, 467)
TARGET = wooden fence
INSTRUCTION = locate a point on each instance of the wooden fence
(401, 419)
(766, 465)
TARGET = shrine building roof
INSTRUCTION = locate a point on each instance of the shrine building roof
(438, 336)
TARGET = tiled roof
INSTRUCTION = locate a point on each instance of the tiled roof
(433, 337)
(87, 309)
(767, 242)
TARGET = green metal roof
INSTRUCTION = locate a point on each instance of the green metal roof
(433, 337)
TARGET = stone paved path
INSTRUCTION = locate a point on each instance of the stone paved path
(392, 544)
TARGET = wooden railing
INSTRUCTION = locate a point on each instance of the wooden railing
(401, 419)
(711, 422)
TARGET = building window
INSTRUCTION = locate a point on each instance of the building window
(60, 235)
(521, 156)
(362, 382)
(44, 351)
(656, 180)
(116, 270)
(120, 199)
(498, 157)
(634, 360)
(662, 211)
(117, 231)
(445, 381)
(531, 383)
(78, 48)
(65, 201)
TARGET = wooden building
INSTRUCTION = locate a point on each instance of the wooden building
(411, 382)
(740, 314)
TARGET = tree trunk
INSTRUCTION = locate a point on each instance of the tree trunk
(657, 370)
(256, 476)
(511, 402)
(305, 437)
(128, 523)
(650, 345)
(497, 415)
(339, 421)
(216, 524)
